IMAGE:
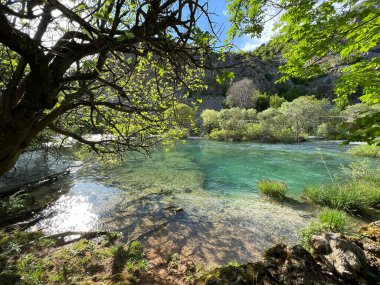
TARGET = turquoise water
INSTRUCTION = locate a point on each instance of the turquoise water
(198, 199)
(234, 168)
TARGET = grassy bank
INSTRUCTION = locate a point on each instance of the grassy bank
(360, 190)
(30, 258)
(365, 150)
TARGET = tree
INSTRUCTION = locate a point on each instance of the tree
(242, 94)
(111, 66)
(311, 31)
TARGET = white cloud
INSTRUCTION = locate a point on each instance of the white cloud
(252, 44)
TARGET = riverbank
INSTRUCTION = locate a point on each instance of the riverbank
(32, 258)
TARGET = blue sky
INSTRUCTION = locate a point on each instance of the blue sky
(219, 7)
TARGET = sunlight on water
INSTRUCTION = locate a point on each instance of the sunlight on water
(198, 199)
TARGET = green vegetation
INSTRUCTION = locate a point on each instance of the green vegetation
(328, 220)
(287, 122)
(366, 150)
(116, 83)
(272, 188)
(309, 32)
(360, 190)
(29, 258)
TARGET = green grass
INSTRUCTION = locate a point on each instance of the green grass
(328, 220)
(335, 219)
(352, 195)
(272, 188)
(366, 150)
(360, 190)
(28, 258)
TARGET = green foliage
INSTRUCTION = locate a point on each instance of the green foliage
(328, 220)
(337, 220)
(269, 52)
(225, 135)
(290, 122)
(276, 101)
(362, 190)
(14, 203)
(28, 258)
(261, 102)
(272, 188)
(311, 31)
(182, 120)
(210, 120)
(365, 150)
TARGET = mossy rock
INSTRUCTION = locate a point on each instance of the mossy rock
(371, 231)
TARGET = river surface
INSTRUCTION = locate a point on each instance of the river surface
(199, 199)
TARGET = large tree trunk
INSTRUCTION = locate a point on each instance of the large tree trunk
(12, 144)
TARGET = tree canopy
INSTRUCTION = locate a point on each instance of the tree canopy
(312, 31)
(110, 66)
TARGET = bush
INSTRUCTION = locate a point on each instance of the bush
(366, 150)
(328, 220)
(255, 132)
(261, 102)
(276, 101)
(225, 135)
(272, 188)
(210, 120)
(283, 135)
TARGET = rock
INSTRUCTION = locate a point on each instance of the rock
(336, 260)
(372, 231)
(282, 265)
(295, 265)
(174, 210)
(340, 255)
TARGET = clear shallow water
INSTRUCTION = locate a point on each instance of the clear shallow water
(222, 216)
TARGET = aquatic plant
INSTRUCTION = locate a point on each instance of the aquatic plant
(272, 188)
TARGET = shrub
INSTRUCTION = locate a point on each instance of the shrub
(261, 102)
(255, 132)
(210, 120)
(272, 188)
(283, 135)
(276, 101)
(225, 135)
(366, 150)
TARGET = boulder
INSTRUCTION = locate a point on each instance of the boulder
(340, 255)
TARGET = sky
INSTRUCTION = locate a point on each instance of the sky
(246, 43)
